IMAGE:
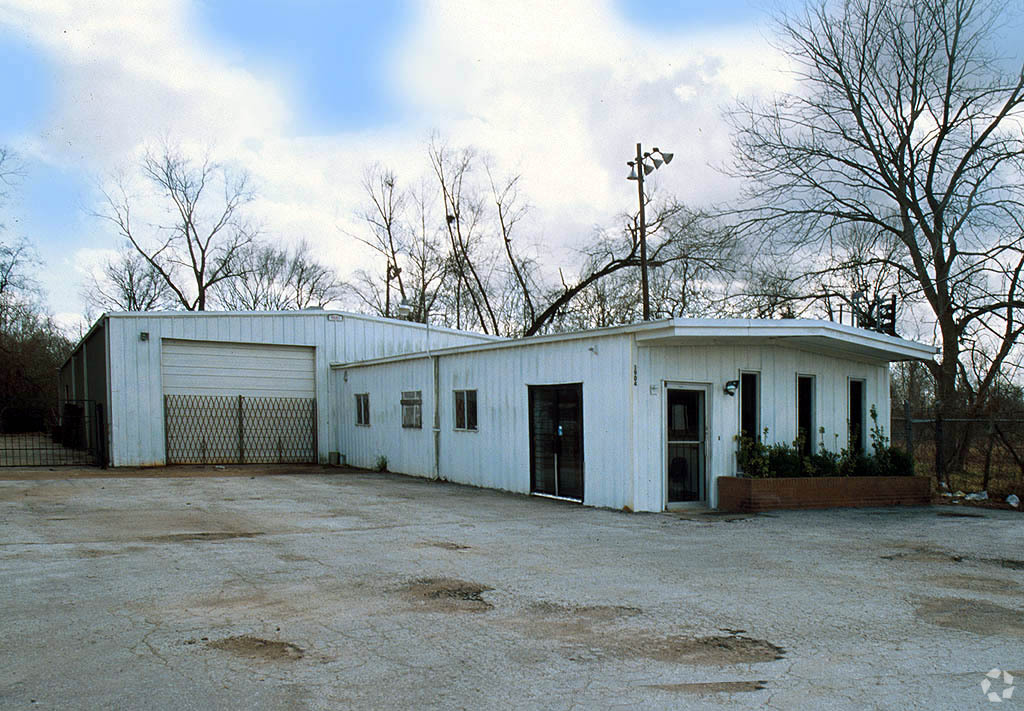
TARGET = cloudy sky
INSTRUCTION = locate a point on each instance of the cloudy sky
(306, 94)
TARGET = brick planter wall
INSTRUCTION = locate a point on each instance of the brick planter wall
(751, 495)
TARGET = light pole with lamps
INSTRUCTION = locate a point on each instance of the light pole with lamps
(640, 168)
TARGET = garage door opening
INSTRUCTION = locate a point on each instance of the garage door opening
(239, 403)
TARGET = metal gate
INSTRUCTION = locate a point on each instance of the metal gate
(228, 429)
(74, 435)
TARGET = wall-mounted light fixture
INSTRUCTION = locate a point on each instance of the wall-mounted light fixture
(731, 386)
(144, 336)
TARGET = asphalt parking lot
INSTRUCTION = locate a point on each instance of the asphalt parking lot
(355, 590)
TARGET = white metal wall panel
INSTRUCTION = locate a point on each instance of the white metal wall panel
(136, 407)
(497, 455)
(717, 364)
(252, 370)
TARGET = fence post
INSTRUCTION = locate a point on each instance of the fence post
(241, 434)
(908, 429)
(101, 436)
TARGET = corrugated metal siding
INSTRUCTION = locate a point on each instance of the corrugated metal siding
(252, 370)
(497, 454)
(717, 364)
(137, 425)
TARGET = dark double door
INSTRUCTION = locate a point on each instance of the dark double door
(556, 440)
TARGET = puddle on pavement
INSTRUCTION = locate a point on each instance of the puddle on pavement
(977, 616)
(256, 648)
(447, 595)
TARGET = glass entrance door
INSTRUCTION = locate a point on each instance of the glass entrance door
(556, 440)
(686, 444)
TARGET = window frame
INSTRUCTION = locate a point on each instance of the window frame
(465, 410)
(863, 424)
(412, 405)
(756, 374)
(812, 410)
(362, 409)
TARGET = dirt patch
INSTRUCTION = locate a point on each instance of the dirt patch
(923, 554)
(100, 553)
(597, 613)
(705, 651)
(447, 545)
(976, 584)
(447, 595)
(712, 687)
(1008, 563)
(260, 649)
(977, 616)
(960, 514)
(209, 536)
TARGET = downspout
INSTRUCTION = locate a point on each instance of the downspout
(435, 371)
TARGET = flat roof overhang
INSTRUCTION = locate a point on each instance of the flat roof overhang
(816, 336)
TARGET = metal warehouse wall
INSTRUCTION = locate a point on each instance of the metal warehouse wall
(136, 395)
(717, 364)
(497, 455)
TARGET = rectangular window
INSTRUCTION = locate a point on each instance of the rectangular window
(805, 413)
(857, 423)
(412, 409)
(465, 410)
(750, 405)
(363, 409)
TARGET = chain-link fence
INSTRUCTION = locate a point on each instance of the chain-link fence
(992, 458)
(207, 429)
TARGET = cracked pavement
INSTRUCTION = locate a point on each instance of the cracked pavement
(335, 590)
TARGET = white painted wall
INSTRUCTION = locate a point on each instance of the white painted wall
(497, 455)
(135, 383)
(623, 422)
(715, 365)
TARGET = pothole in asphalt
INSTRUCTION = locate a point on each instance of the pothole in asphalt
(447, 545)
(591, 612)
(976, 584)
(711, 651)
(213, 536)
(257, 648)
(977, 616)
(713, 687)
(448, 595)
(920, 554)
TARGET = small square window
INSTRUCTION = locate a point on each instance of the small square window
(363, 409)
(412, 409)
(465, 410)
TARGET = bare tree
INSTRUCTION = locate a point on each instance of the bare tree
(199, 244)
(275, 279)
(464, 214)
(127, 282)
(904, 124)
(385, 216)
(689, 256)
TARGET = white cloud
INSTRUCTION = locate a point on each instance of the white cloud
(560, 92)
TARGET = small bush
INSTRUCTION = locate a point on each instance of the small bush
(382, 463)
(758, 460)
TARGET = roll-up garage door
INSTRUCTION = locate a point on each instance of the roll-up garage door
(227, 403)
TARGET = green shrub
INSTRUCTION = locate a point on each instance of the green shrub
(758, 460)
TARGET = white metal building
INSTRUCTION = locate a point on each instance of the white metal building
(208, 387)
(641, 416)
